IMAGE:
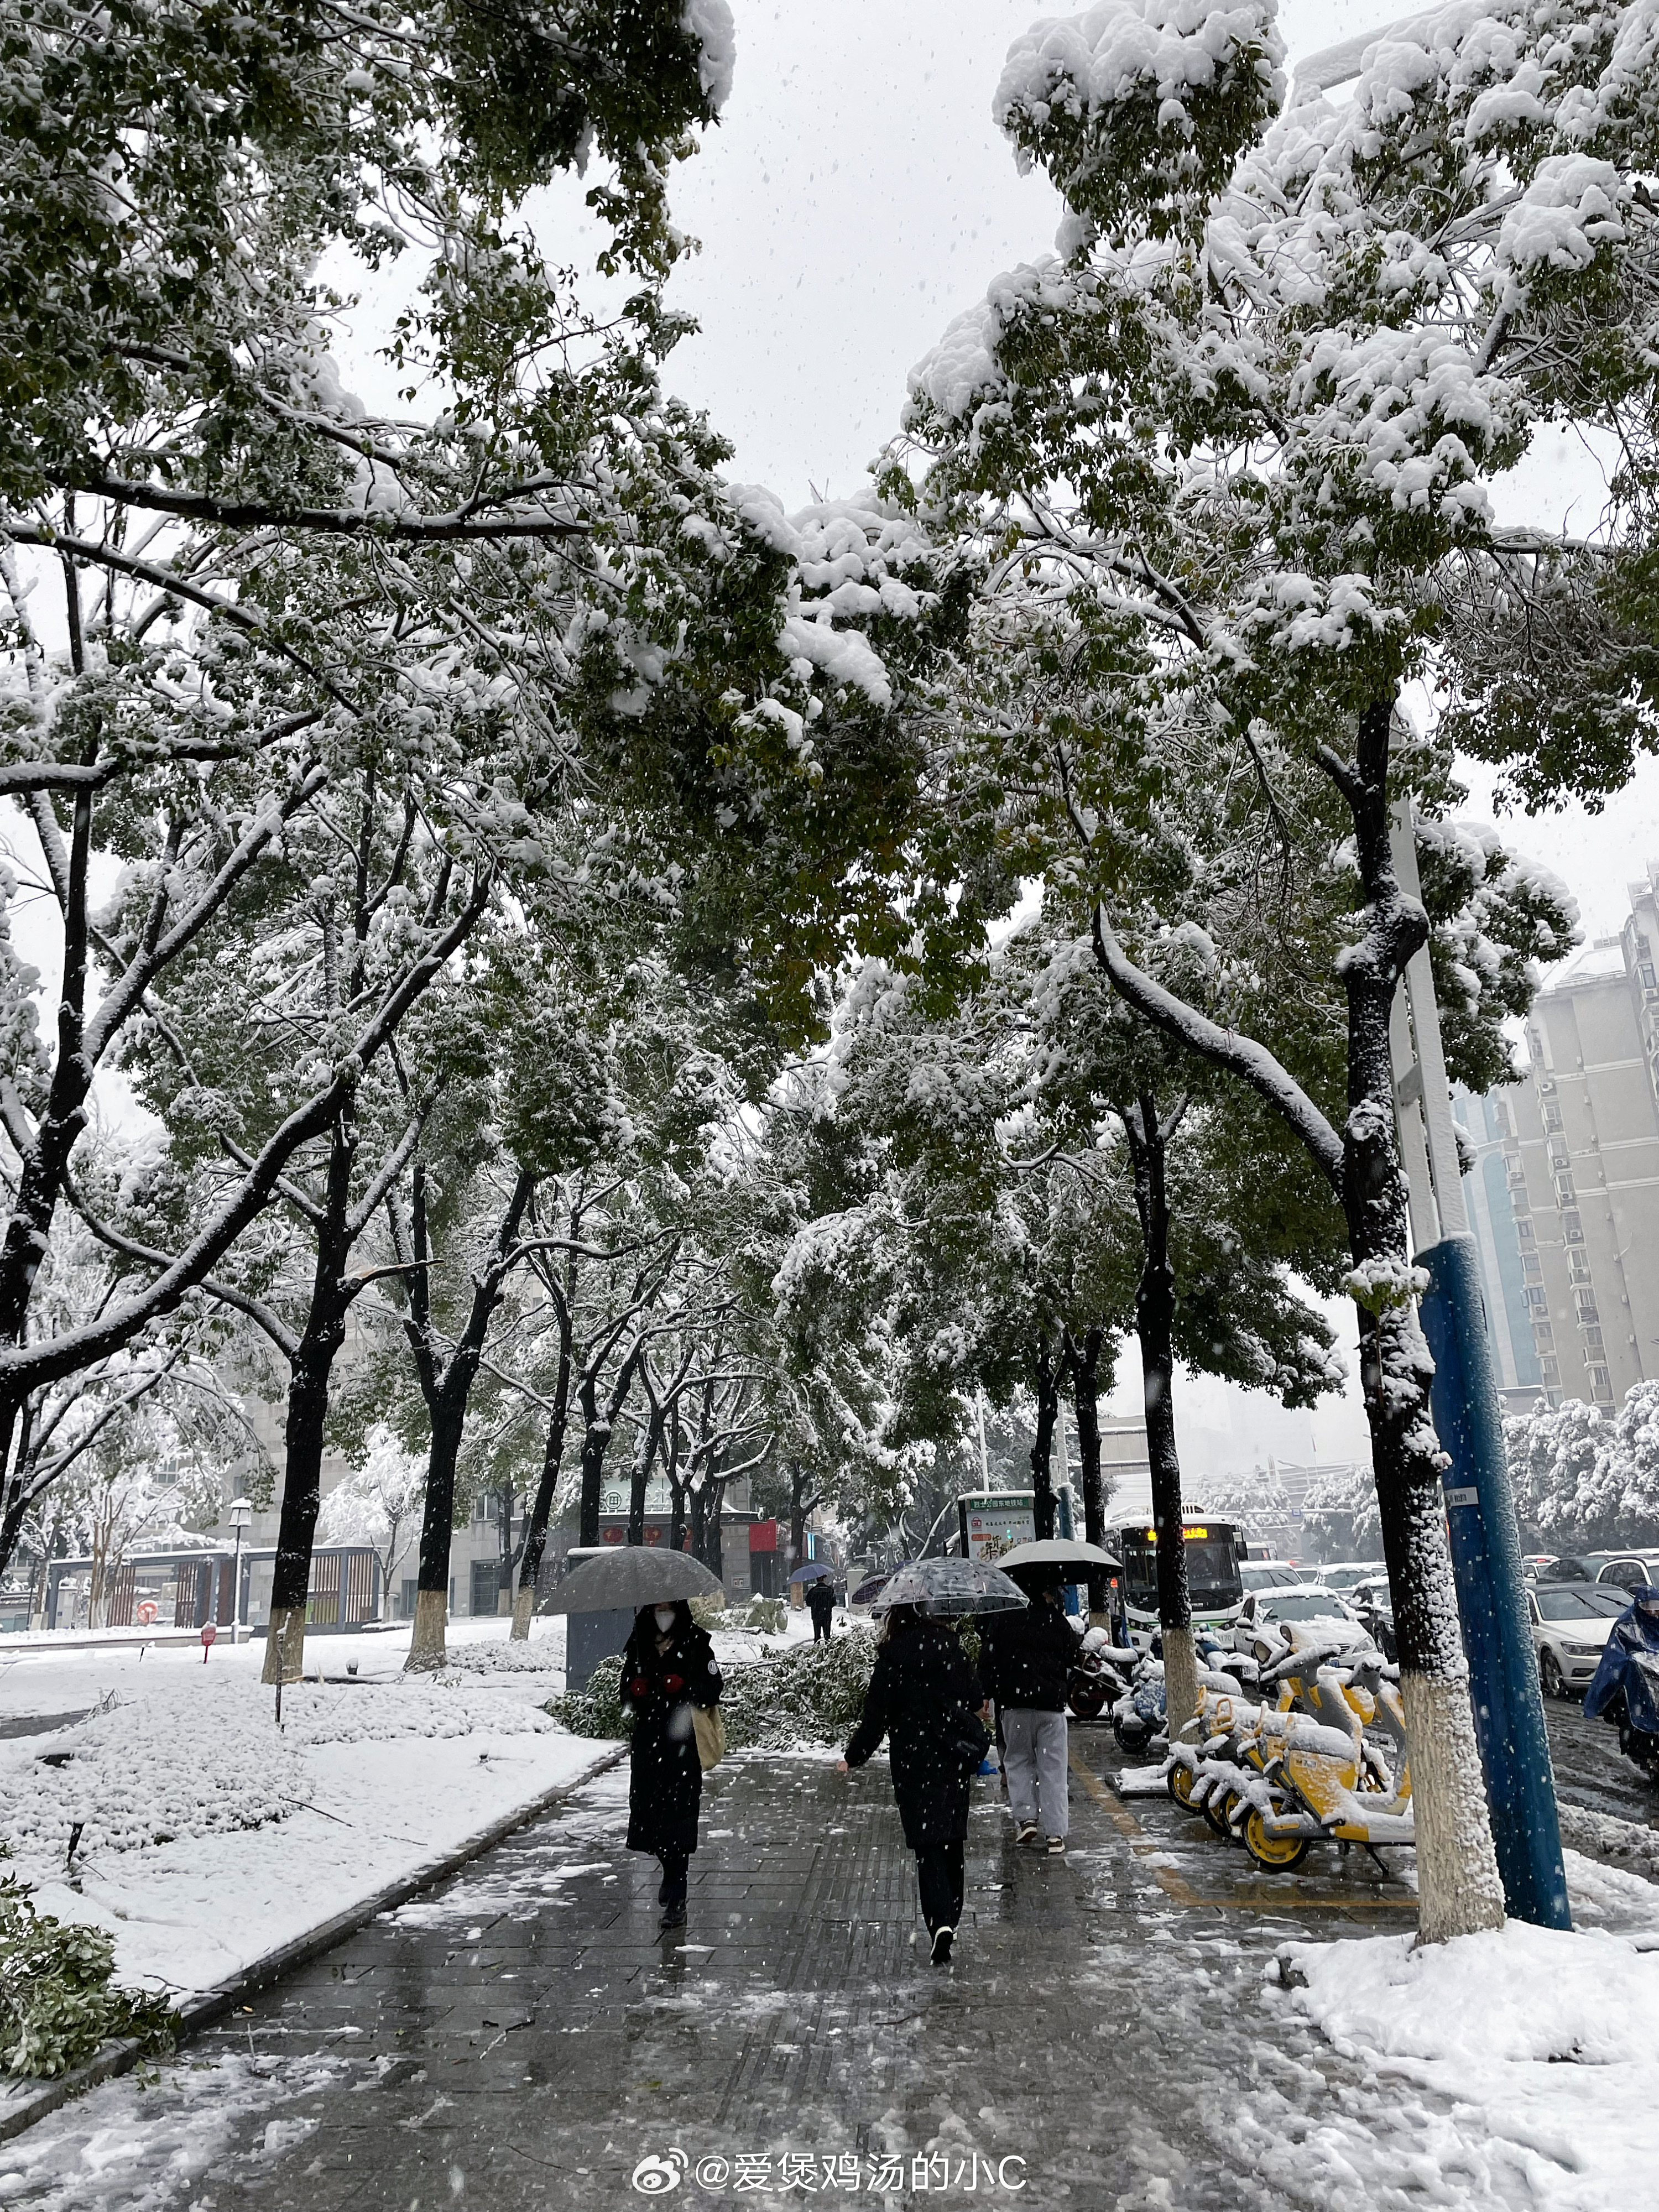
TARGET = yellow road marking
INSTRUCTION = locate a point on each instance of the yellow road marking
(1174, 1884)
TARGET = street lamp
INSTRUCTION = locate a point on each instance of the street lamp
(241, 1514)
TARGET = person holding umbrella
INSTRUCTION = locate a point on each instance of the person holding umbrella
(669, 1671)
(1026, 1664)
(821, 1604)
(924, 1696)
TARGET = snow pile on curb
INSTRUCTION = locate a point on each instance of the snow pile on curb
(1548, 2036)
(1633, 1846)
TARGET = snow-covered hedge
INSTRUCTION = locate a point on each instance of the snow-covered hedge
(811, 1693)
(164, 1765)
(56, 2001)
(542, 1655)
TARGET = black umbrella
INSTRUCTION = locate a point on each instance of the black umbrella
(633, 1574)
(1076, 1560)
(873, 1585)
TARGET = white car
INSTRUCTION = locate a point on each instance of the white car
(1268, 1574)
(1345, 1574)
(1571, 1622)
(1306, 1601)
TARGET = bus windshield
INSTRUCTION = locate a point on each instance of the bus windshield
(1213, 1582)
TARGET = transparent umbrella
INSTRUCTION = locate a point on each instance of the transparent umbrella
(951, 1586)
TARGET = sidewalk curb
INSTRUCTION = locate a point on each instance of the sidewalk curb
(21, 2110)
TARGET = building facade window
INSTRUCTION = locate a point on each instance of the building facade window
(1601, 1385)
(1572, 1229)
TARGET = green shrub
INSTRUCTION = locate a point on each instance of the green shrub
(709, 1612)
(811, 1693)
(57, 2002)
(767, 1614)
(596, 1710)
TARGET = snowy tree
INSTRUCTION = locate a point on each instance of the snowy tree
(535, 623)
(1230, 448)
(1340, 1517)
(1633, 1456)
(378, 1503)
(1257, 1501)
(149, 1478)
(1585, 1479)
(1223, 1212)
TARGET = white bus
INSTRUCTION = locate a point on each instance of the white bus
(1214, 1584)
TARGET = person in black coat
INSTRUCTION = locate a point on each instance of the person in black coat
(821, 1604)
(1028, 1658)
(668, 1667)
(923, 1696)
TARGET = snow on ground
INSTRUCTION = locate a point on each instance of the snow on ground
(1543, 2039)
(209, 1837)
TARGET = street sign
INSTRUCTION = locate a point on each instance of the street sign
(210, 1635)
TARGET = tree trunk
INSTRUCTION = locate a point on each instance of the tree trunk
(312, 1365)
(596, 1438)
(1462, 1891)
(713, 1552)
(302, 1496)
(800, 1506)
(1048, 1379)
(541, 1510)
(447, 1404)
(427, 1645)
(1155, 1300)
(1085, 1395)
(699, 1523)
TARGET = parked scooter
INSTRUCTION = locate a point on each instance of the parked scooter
(1328, 1760)
(1626, 1687)
(1139, 1716)
(1100, 1675)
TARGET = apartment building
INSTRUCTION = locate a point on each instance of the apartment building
(1576, 1145)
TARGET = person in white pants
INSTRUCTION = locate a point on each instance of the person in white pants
(1027, 1662)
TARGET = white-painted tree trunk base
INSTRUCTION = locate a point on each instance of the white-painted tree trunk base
(524, 1604)
(426, 1648)
(285, 1644)
(1180, 1679)
(1457, 1877)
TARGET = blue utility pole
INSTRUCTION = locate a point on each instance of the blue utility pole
(1486, 1541)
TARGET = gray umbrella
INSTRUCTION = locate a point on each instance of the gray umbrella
(952, 1585)
(632, 1575)
(1061, 1552)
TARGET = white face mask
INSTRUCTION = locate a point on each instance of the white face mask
(665, 1617)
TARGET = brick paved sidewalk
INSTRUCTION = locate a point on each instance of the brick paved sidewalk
(525, 2037)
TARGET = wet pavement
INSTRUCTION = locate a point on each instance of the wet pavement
(1108, 2036)
(1590, 1768)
